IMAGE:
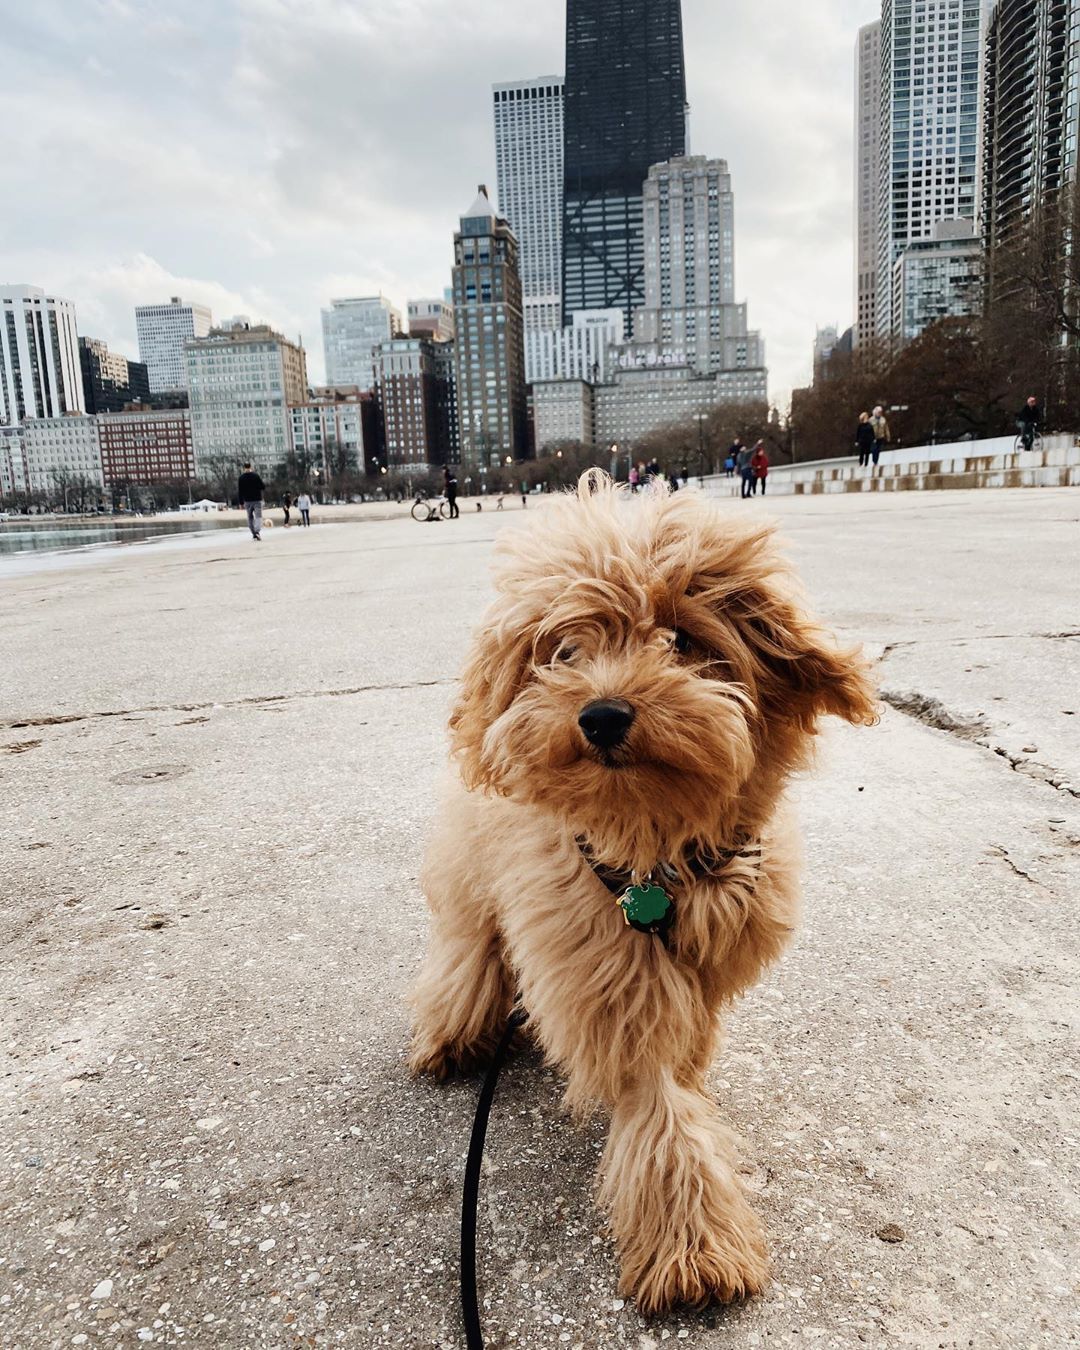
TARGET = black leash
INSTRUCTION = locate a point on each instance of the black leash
(474, 1337)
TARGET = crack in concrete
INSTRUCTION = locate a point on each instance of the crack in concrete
(62, 719)
(891, 647)
(931, 712)
(1003, 852)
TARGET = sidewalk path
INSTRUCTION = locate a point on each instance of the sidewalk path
(216, 774)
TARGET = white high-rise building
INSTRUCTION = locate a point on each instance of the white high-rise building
(242, 381)
(529, 162)
(690, 314)
(577, 352)
(40, 373)
(58, 450)
(929, 162)
(162, 331)
(867, 175)
(352, 329)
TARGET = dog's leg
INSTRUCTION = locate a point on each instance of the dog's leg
(684, 1230)
(463, 996)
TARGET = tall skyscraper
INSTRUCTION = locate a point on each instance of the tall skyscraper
(930, 55)
(1032, 110)
(689, 309)
(162, 331)
(529, 160)
(625, 111)
(490, 344)
(40, 375)
(867, 175)
(352, 329)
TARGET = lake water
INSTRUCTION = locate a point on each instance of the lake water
(50, 537)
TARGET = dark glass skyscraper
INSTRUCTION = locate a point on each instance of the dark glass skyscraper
(625, 111)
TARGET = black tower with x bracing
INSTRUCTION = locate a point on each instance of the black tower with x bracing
(625, 111)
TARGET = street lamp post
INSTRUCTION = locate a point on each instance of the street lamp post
(702, 418)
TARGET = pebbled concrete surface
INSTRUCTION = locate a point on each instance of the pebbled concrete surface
(216, 773)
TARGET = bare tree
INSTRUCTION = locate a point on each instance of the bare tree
(62, 479)
(218, 474)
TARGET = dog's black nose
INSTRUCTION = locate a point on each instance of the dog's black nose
(606, 722)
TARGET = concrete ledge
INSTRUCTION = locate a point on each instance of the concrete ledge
(992, 463)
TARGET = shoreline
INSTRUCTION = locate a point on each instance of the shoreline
(230, 525)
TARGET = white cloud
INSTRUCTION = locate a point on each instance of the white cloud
(264, 155)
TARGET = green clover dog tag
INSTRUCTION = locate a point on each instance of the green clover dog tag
(645, 905)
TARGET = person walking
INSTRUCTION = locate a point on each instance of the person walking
(1029, 419)
(303, 505)
(864, 439)
(250, 489)
(450, 490)
(746, 473)
(729, 466)
(685, 475)
(635, 478)
(881, 432)
(286, 506)
(759, 463)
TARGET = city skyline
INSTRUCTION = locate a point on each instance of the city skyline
(268, 183)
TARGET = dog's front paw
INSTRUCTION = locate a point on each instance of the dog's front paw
(426, 1061)
(720, 1267)
(434, 1058)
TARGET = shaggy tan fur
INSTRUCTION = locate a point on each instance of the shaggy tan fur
(694, 619)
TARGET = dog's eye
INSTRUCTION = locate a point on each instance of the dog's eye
(682, 642)
(564, 653)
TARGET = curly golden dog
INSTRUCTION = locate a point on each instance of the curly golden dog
(618, 854)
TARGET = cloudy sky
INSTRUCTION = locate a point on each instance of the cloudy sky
(264, 155)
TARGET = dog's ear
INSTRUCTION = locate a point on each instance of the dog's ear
(794, 665)
(494, 673)
(800, 664)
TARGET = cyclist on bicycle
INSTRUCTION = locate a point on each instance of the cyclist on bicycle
(1029, 419)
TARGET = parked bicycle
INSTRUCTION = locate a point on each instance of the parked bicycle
(424, 510)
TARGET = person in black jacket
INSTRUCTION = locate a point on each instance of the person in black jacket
(250, 490)
(1029, 419)
(450, 486)
(864, 438)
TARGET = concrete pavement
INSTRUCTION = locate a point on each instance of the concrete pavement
(217, 768)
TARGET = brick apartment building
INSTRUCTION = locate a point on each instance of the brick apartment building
(142, 445)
